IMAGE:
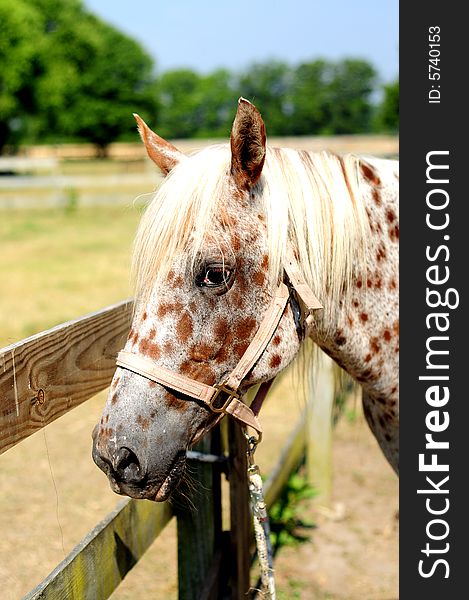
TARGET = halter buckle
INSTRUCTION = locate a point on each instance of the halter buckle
(220, 389)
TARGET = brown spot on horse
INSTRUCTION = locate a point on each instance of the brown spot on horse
(258, 278)
(236, 243)
(244, 328)
(143, 422)
(237, 300)
(240, 349)
(163, 309)
(184, 328)
(149, 349)
(202, 352)
(176, 403)
(381, 254)
(168, 347)
(394, 233)
(376, 197)
(369, 173)
(275, 361)
(133, 336)
(374, 345)
(220, 330)
(198, 371)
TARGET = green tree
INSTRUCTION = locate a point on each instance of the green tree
(93, 77)
(349, 97)
(387, 118)
(80, 78)
(119, 83)
(193, 105)
(218, 95)
(309, 111)
(20, 35)
(268, 86)
(180, 106)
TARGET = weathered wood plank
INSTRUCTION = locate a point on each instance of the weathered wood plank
(46, 375)
(98, 564)
(198, 525)
(240, 515)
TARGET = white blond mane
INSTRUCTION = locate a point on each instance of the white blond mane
(313, 199)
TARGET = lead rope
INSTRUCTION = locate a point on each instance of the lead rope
(261, 522)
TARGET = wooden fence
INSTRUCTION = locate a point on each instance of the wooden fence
(43, 377)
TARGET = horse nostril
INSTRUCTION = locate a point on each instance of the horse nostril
(127, 466)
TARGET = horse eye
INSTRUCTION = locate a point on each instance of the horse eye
(213, 276)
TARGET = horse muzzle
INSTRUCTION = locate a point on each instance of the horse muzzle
(130, 474)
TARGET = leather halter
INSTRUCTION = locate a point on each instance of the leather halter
(225, 397)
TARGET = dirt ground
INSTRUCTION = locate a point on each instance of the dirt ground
(353, 553)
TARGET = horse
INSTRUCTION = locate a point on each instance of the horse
(229, 259)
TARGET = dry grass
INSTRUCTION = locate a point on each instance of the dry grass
(56, 265)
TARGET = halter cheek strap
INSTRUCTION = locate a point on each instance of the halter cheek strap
(224, 397)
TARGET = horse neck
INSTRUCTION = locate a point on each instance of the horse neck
(363, 337)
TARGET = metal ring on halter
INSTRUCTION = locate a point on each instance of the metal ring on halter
(220, 389)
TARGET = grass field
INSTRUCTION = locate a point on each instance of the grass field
(58, 264)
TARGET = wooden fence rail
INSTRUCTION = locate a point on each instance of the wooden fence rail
(43, 377)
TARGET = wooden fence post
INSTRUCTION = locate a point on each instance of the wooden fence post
(240, 515)
(319, 431)
(199, 527)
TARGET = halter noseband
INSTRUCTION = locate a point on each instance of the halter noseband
(224, 397)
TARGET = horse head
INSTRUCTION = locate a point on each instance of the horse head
(205, 278)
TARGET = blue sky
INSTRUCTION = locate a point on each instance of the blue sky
(204, 34)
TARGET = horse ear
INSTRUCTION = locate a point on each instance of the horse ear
(247, 145)
(162, 153)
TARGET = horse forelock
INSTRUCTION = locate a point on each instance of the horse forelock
(311, 199)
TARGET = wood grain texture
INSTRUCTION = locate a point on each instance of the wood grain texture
(46, 375)
(198, 526)
(94, 569)
(240, 514)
